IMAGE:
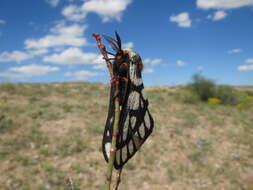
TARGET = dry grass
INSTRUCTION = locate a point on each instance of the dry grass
(49, 132)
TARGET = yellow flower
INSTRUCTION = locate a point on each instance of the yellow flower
(241, 105)
(214, 100)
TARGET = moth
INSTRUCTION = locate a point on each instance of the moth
(136, 122)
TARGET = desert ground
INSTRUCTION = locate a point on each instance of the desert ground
(52, 132)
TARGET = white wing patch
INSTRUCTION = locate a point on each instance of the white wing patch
(125, 132)
(124, 153)
(107, 149)
(133, 100)
(142, 130)
(147, 120)
(133, 121)
(125, 129)
(133, 74)
(131, 147)
(111, 120)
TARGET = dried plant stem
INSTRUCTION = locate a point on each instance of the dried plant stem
(103, 52)
(113, 145)
(70, 183)
(117, 116)
(118, 179)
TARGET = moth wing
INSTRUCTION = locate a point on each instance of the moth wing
(107, 137)
(136, 122)
(137, 126)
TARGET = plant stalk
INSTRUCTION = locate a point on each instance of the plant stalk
(113, 145)
(118, 179)
(117, 114)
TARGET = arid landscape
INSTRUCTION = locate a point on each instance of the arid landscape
(52, 132)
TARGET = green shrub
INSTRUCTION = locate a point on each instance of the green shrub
(206, 89)
(227, 95)
(203, 87)
(248, 92)
(5, 123)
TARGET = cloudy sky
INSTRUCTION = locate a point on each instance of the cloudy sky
(50, 40)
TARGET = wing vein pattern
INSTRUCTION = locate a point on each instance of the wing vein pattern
(136, 122)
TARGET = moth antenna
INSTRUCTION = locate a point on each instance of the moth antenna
(113, 43)
(118, 39)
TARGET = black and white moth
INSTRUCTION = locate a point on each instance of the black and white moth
(136, 122)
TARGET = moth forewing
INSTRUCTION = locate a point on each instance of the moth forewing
(136, 123)
(107, 137)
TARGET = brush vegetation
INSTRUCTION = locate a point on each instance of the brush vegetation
(52, 132)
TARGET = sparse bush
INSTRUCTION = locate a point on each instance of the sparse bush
(227, 95)
(207, 90)
(248, 92)
(245, 103)
(203, 87)
(5, 123)
(67, 108)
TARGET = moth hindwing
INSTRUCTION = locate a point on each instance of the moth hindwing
(136, 122)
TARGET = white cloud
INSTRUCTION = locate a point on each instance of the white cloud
(149, 64)
(81, 75)
(107, 9)
(128, 45)
(236, 50)
(73, 56)
(249, 60)
(245, 67)
(180, 63)
(33, 69)
(16, 56)
(19, 56)
(182, 19)
(148, 70)
(223, 4)
(53, 3)
(60, 35)
(27, 71)
(36, 52)
(218, 15)
(152, 62)
(74, 13)
(100, 63)
(2, 21)
(100, 66)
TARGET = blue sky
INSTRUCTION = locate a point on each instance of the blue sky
(50, 40)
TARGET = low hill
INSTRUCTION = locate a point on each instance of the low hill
(52, 132)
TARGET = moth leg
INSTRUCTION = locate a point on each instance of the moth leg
(118, 179)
